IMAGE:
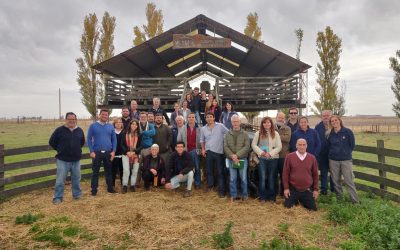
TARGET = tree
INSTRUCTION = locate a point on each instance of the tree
(154, 27)
(100, 40)
(395, 66)
(329, 47)
(254, 31)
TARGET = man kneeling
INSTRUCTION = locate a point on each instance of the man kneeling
(300, 177)
(180, 169)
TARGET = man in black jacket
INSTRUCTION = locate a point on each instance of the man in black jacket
(68, 140)
(180, 169)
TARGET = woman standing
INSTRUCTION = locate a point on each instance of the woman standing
(117, 162)
(133, 148)
(216, 109)
(185, 110)
(227, 114)
(267, 145)
(175, 114)
(341, 144)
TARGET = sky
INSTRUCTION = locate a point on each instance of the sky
(40, 39)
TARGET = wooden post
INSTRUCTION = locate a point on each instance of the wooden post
(2, 167)
(381, 159)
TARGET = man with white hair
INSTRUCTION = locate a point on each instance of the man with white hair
(300, 177)
(153, 169)
(155, 109)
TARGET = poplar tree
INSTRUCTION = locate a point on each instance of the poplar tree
(395, 66)
(154, 27)
(329, 47)
(96, 46)
(254, 31)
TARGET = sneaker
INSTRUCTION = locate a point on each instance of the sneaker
(197, 187)
(245, 198)
(187, 193)
(222, 196)
(132, 189)
(124, 189)
(94, 193)
(324, 192)
(57, 201)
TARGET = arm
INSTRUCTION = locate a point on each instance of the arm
(317, 144)
(169, 137)
(286, 134)
(227, 150)
(352, 141)
(314, 170)
(278, 145)
(202, 143)
(292, 145)
(188, 163)
(54, 138)
(113, 140)
(254, 143)
(82, 138)
(124, 146)
(285, 177)
(151, 132)
(90, 138)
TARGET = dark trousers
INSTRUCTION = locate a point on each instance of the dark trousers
(148, 179)
(279, 184)
(104, 157)
(305, 198)
(215, 160)
(117, 168)
(323, 165)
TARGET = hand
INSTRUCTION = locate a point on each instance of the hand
(112, 155)
(168, 186)
(234, 158)
(286, 193)
(315, 194)
(153, 171)
(93, 155)
(180, 177)
(163, 181)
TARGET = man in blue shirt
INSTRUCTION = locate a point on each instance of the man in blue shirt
(102, 143)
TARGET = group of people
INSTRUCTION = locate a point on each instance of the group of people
(166, 151)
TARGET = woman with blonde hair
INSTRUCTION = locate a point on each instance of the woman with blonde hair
(117, 166)
(267, 145)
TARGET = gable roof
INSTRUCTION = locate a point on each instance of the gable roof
(246, 58)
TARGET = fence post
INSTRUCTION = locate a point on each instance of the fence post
(381, 159)
(2, 167)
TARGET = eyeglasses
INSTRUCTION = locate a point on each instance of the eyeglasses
(293, 113)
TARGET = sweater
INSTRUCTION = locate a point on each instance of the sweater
(226, 118)
(67, 143)
(299, 174)
(341, 144)
(178, 164)
(182, 136)
(147, 132)
(274, 145)
(101, 137)
(312, 138)
(236, 142)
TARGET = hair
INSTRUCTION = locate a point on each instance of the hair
(180, 143)
(210, 113)
(68, 114)
(104, 110)
(115, 120)
(186, 97)
(155, 146)
(196, 88)
(156, 98)
(158, 114)
(263, 132)
(225, 109)
(303, 117)
(133, 101)
(125, 107)
(179, 117)
(337, 117)
(215, 101)
(235, 117)
(129, 129)
(143, 113)
(293, 108)
(175, 103)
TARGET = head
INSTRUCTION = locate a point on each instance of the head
(103, 116)
(210, 118)
(133, 127)
(154, 149)
(134, 105)
(158, 119)
(180, 147)
(191, 119)
(280, 117)
(179, 121)
(235, 120)
(70, 120)
(196, 91)
(176, 107)
(203, 94)
(301, 145)
(326, 116)
(143, 117)
(156, 102)
(125, 112)
(210, 98)
(150, 117)
(267, 127)
(215, 103)
(189, 96)
(228, 106)
(293, 113)
(336, 122)
(184, 104)
(117, 123)
(303, 123)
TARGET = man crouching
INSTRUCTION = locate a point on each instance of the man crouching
(180, 169)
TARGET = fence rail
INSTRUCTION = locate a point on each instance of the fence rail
(380, 179)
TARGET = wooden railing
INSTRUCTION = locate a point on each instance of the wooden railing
(383, 183)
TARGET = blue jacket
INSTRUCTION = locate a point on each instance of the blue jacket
(341, 144)
(312, 138)
(101, 137)
(147, 135)
(320, 128)
(67, 143)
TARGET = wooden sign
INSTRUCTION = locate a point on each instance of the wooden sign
(199, 42)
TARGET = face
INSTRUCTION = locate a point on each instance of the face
(301, 146)
(236, 123)
(159, 119)
(154, 151)
(133, 105)
(267, 125)
(150, 117)
(103, 116)
(179, 122)
(280, 117)
(203, 94)
(210, 97)
(118, 124)
(125, 113)
(134, 126)
(189, 97)
(210, 119)
(325, 117)
(179, 149)
(156, 102)
(293, 113)
(303, 124)
(215, 103)
(335, 122)
(143, 117)
(196, 92)
(176, 107)
(71, 121)
(191, 119)
(184, 104)
(229, 106)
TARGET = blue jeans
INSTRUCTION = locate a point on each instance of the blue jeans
(63, 167)
(233, 179)
(196, 162)
(96, 162)
(215, 160)
(267, 177)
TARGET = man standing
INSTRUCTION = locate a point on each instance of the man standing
(68, 141)
(147, 132)
(157, 109)
(134, 113)
(163, 137)
(285, 133)
(293, 122)
(324, 129)
(180, 169)
(212, 148)
(309, 134)
(236, 148)
(102, 143)
(150, 117)
(125, 117)
(196, 104)
(300, 177)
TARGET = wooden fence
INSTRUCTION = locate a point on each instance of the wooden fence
(380, 166)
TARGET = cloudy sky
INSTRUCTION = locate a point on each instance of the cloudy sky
(39, 43)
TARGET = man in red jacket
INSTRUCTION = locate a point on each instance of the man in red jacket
(300, 177)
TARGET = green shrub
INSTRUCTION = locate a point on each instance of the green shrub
(224, 240)
(27, 219)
